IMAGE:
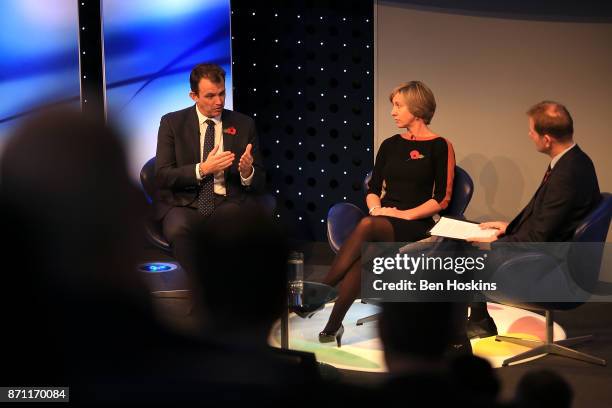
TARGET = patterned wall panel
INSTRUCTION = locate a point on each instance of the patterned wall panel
(304, 71)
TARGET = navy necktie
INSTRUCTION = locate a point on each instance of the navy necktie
(546, 175)
(206, 199)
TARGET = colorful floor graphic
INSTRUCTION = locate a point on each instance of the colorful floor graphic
(362, 350)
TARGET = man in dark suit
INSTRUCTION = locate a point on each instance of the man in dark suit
(208, 161)
(568, 192)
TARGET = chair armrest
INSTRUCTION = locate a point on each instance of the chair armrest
(530, 279)
(530, 264)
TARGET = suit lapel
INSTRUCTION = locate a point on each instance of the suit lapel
(228, 139)
(527, 211)
(523, 215)
(227, 122)
(193, 129)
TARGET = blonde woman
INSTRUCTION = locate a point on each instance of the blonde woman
(417, 168)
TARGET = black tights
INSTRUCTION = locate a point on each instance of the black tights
(347, 265)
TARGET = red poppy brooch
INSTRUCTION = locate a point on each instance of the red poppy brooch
(415, 155)
(230, 131)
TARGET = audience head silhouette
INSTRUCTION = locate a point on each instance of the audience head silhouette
(412, 331)
(75, 235)
(543, 388)
(241, 261)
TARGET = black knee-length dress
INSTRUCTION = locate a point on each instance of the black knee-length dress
(413, 171)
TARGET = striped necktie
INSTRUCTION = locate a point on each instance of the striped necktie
(206, 198)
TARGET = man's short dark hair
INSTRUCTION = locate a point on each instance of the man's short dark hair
(553, 119)
(212, 72)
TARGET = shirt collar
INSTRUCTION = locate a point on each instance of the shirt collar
(557, 157)
(203, 118)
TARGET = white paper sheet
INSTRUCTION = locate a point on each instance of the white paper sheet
(451, 228)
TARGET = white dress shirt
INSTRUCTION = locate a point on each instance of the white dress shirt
(219, 178)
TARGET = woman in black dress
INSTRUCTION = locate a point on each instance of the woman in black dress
(417, 170)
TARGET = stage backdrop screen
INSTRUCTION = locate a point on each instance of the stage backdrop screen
(39, 60)
(150, 47)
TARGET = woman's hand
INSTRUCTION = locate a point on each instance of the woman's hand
(392, 212)
(387, 211)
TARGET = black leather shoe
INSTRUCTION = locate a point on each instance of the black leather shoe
(481, 328)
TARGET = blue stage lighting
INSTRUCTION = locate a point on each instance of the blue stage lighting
(157, 267)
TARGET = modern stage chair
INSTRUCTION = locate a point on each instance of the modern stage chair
(342, 218)
(581, 272)
(153, 228)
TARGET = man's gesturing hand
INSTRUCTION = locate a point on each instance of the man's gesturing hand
(245, 166)
(216, 162)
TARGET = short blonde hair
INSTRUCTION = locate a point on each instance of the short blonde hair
(419, 98)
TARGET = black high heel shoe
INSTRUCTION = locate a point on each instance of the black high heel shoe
(325, 337)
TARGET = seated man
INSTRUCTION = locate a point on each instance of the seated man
(196, 169)
(568, 192)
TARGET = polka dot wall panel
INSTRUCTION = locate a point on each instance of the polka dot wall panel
(304, 72)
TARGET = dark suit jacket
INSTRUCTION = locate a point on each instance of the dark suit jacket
(558, 205)
(178, 151)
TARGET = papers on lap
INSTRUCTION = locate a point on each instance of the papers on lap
(451, 228)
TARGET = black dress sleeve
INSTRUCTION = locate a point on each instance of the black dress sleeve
(375, 186)
(444, 172)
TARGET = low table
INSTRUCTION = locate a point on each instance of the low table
(304, 298)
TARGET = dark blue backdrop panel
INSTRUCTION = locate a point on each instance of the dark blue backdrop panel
(304, 71)
(150, 48)
(39, 60)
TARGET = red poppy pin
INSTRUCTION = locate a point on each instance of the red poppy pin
(415, 154)
(230, 131)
